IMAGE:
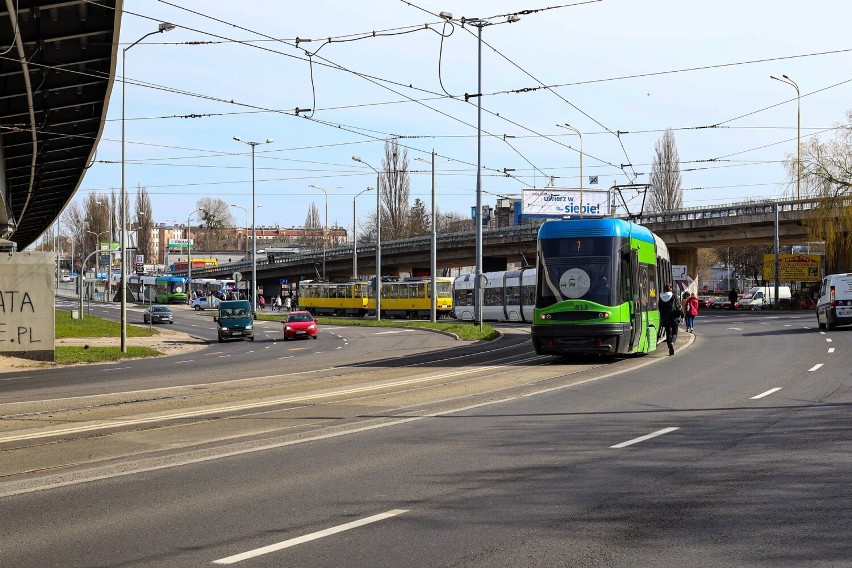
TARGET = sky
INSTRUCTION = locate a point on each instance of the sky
(619, 71)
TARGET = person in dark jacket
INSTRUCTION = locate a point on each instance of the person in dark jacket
(733, 297)
(669, 319)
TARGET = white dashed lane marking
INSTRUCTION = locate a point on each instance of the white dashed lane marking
(767, 393)
(645, 437)
(815, 367)
(309, 537)
(831, 349)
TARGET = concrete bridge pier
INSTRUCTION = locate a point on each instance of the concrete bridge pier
(687, 256)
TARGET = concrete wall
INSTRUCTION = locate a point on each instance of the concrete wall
(27, 294)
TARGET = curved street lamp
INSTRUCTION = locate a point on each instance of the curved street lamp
(189, 255)
(163, 27)
(325, 229)
(378, 238)
(788, 81)
(355, 234)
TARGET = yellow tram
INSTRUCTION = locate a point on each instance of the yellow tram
(406, 298)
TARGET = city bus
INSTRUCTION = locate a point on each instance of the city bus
(597, 289)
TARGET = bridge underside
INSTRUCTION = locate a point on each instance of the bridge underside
(56, 78)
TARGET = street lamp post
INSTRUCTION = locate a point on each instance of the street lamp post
(433, 262)
(189, 255)
(163, 27)
(378, 238)
(325, 229)
(83, 272)
(245, 226)
(109, 251)
(580, 134)
(785, 79)
(253, 225)
(355, 235)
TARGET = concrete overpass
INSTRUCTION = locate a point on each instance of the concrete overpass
(685, 231)
(56, 79)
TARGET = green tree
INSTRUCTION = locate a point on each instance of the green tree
(419, 222)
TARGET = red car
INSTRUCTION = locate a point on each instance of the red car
(299, 324)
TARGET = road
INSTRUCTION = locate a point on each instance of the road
(733, 452)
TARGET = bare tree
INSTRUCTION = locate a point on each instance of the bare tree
(215, 218)
(395, 187)
(747, 261)
(144, 224)
(665, 193)
(827, 176)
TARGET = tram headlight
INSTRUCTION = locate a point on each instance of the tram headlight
(603, 315)
(545, 316)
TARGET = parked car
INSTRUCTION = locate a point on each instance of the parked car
(706, 301)
(723, 304)
(299, 324)
(158, 314)
(65, 278)
(205, 303)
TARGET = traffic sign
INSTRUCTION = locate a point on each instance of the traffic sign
(238, 276)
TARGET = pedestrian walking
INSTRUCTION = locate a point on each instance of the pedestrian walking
(261, 301)
(669, 316)
(733, 297)
(691, 311)
(277, 306)
(287, 304)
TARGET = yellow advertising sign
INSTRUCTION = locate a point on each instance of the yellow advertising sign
(792, 268)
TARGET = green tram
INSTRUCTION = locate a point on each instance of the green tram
(597, 289)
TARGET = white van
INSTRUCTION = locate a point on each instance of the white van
(834, 306)
(761, 297)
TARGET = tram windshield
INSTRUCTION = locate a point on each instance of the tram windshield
(576, 269)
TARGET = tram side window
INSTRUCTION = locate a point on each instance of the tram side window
(493, 297)
(643, 287)
(343, 292)
(463, 298)
(513, 295)
(653, 291)
(529, 295)
(421, 290)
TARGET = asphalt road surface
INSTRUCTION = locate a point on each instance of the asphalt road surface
(733, 452)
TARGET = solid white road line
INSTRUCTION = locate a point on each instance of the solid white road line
(736, 328)
(767, 393)
(831, 349)
(645, 437)
(309, 537)
(815, 367)
(389, 332)
(114, 369)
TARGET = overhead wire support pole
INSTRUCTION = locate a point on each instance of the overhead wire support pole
(253, 225)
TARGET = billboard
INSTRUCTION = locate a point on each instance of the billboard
(792, 268)
(562, 202)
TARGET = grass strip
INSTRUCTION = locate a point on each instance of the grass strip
(66, 354)
(93, 326)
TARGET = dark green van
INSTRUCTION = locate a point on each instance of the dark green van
(235, 320)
